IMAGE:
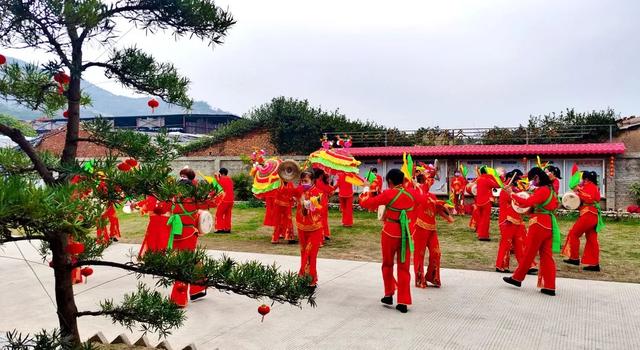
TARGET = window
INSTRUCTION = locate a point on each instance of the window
(472, 164)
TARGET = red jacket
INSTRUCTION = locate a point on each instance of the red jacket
(539, 196)
(458, 184)
(485, 183)
(556, 185)
(282, 196)
(589, 194)
(326, 191)
(404, 202)
(345, 189)
(308, 220)
(507, 213)
(227, 187)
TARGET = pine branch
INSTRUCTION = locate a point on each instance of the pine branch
(251, 279)
(16, 136)
(6, 239)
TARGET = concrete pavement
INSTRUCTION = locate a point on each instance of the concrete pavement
(473, 310)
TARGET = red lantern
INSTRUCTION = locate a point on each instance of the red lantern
(3, 60)
(131, 162)
(75, 248)
(86, 271)
(379, 161)
(124, 167)
(263, 310)
(65, 114)
(153, 104)
(62, 78)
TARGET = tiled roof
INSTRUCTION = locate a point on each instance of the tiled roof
(491, 150)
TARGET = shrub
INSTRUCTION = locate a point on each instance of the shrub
(242, 186)
(634, 189)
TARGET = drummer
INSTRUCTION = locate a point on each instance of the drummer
(541, 232)
(589, 223)
(512, 228)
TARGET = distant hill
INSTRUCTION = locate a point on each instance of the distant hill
(107, 104)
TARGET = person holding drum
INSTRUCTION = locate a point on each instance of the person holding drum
(185, 230)
(322, 183)
(542, 228)
(589, 223)
(512, 229)
(309, 223)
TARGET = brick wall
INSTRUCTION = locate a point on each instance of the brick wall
(243, 145)
(54, 142)
(627, 172)
(631, 139)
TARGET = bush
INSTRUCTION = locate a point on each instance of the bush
(242, 187)
(634, 189)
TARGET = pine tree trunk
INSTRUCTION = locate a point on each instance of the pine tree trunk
(66, 305)
(73, 94)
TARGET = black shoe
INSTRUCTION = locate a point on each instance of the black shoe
(532, 271)
(218, 231)
(327, 238)
(484, 239)
(199, 295)
(548, 292)
(511, 281)
(114, 239)
(595, 268)
(402, 308)
(292, 241)
(387, 300)
(503, 271)
(572, 261)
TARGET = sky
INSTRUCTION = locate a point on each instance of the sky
(411, 64)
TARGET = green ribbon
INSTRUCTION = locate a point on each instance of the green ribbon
(176, 228)
(406, 235)
(555, 242)
(600, 224)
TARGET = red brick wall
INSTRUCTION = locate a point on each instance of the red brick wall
(54, 142)
(237, 146)
(631, 139)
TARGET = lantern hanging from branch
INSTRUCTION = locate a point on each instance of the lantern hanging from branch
(65, 114)
(612, 166)
(153, 104)
(3, 60)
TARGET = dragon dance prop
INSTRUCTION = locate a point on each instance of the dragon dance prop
(335, 161)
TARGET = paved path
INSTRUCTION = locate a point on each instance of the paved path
(473, 310)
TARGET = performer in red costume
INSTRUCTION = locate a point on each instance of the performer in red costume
(425, 235)
(395, 237)
(309, 223)
(345, 194)
(322, 183)
(542, 229)
(281, 212)
(589, 223)
(512, 229)
(157, 234)
(486, 183)
(458, 185)
(186, 211)
(223, 213)
(376, 185)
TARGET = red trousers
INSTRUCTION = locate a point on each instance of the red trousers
(223, 216)
(346, 207)
(473, 222)
(538, 241)
(483, 218)
(586, 224)
(283, 227)
(309, 246)
(423, 239)
(181, 290)
(390, 249)
(512, 237)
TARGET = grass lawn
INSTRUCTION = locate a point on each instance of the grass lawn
(620, 246)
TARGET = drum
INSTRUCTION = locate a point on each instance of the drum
(570, 200)
(381, 210)
(474, 189)
(205, 222)
(127, 209)
(517, 207)
(496, 192)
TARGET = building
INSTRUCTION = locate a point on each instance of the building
(183, 123)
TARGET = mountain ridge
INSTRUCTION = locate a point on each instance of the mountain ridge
(107, 104)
